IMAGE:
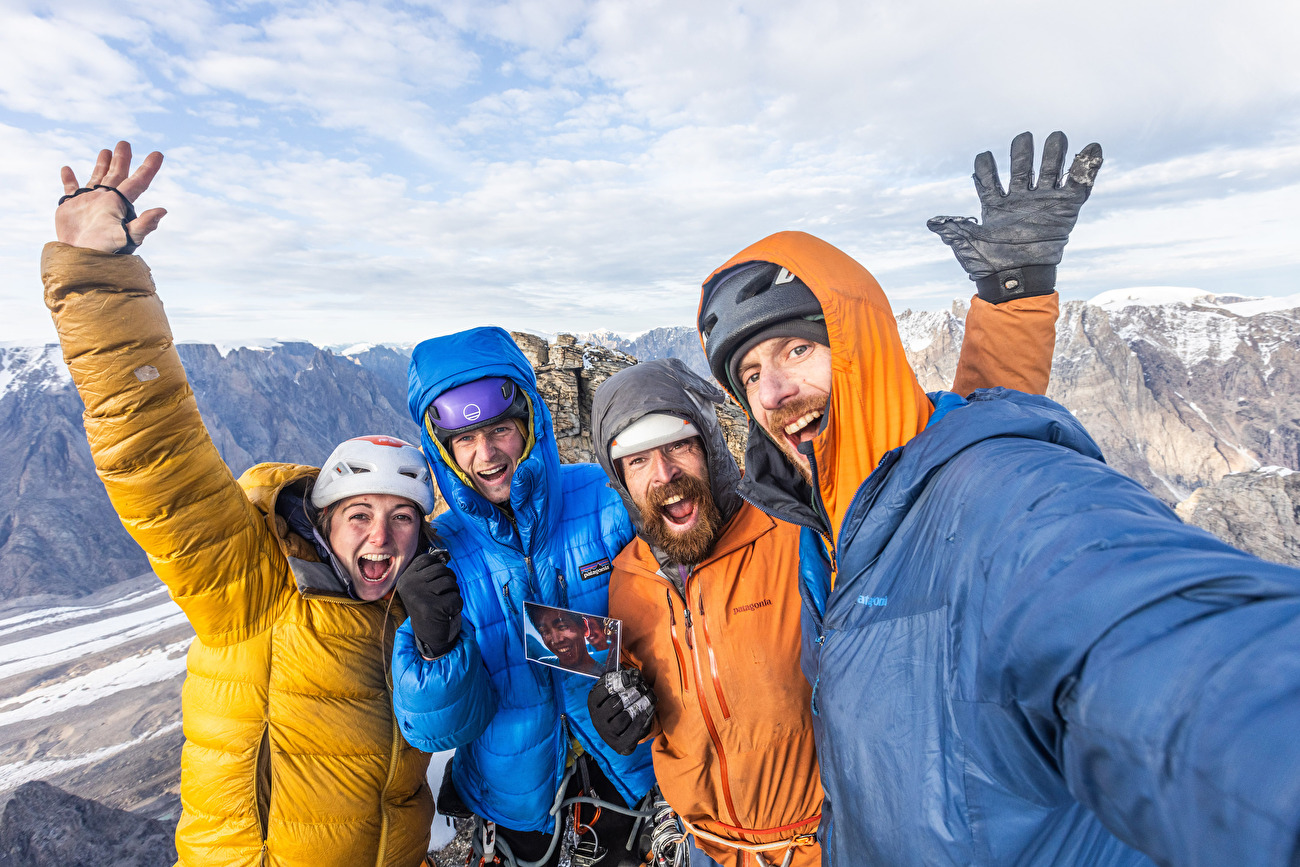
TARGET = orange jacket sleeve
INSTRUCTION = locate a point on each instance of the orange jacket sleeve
(1008, 345)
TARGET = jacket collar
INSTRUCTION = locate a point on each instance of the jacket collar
(876, 402)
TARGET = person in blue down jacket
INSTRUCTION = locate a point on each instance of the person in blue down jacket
(520, 526)
(1021, 656)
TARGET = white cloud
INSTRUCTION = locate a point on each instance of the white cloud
(61, 71)
(372, 171)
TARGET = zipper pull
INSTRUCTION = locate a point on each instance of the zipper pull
(672, 616)
(814, 695)
(564, 586)
(505, 592)
(690, 628)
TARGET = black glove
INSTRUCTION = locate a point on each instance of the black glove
(431, 595)
(1015, 251)
(622, 706)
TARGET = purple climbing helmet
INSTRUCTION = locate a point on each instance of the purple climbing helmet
(474, 405)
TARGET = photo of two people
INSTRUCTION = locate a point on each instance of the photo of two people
(570, 640)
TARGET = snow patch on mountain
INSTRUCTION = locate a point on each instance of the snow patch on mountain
(14, 775)
(152, 666)
(1199, 326)
(1256, 306)
(919, 328)
(38, 367)
(50, 616)
(87, 639)
(1150, 296)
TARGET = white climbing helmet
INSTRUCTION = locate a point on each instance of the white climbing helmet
(651, 431)
(374, 465)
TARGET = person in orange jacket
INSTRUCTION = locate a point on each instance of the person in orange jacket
(710, 598)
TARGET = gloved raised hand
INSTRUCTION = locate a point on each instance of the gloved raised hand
(431, 595)
(622, 707)
(1014, 251)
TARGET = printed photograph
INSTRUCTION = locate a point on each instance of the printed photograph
(579, 643)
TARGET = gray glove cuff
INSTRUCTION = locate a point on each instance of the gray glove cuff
(1015, 283)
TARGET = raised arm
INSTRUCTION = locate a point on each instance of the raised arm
(1012, 258)
(168, 484)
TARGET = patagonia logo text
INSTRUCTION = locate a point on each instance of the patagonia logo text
(873, 601)
(751, 606)
(591, 570)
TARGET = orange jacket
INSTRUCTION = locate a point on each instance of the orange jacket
(734, 755)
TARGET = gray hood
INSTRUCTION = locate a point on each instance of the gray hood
(664, 385)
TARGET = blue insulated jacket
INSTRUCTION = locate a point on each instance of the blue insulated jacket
(1028, 659)
(504, 715)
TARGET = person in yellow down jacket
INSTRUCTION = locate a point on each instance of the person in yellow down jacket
(292, 754)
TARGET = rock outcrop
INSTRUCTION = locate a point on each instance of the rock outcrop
(1257, 511)
(43, 826)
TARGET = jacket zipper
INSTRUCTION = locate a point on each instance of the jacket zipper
(564, 587)
(393, 755)
(704, 709)
(826, 518)
(713, 661)
(677, 645)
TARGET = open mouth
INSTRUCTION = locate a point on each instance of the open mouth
(492, 476)
(803, 429)
(679, 512)
(375, 567)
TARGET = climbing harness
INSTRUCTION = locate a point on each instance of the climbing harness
(581, 846)
(761, 850)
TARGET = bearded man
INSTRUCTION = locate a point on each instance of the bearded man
(734, 755)
(1023, 656)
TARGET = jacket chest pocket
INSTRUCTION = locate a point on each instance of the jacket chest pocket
(891, 753)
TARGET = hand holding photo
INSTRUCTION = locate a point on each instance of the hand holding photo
(580, 643)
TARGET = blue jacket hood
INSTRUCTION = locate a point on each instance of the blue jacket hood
(442, 363)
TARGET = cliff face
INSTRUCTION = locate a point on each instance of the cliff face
(1257, 511)
(1179, 395)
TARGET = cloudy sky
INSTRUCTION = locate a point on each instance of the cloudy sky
(349, 171)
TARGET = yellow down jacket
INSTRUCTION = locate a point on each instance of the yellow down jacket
(292, 754)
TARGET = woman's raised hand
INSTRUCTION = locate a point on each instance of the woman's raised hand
(101, 215)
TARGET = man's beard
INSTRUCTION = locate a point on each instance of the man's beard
(694, 545)
(787, 413)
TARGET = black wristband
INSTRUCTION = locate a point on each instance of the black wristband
(131, 244)
(1015, 283)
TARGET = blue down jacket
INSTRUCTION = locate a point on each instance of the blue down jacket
(1028, 659)
(504, 715)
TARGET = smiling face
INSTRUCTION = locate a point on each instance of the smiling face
(565, 635)
(670, 486)
(374, 536)
(787, 383)
(597, 635)
(489, 455)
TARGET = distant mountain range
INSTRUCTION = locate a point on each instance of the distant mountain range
(1195, 396)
